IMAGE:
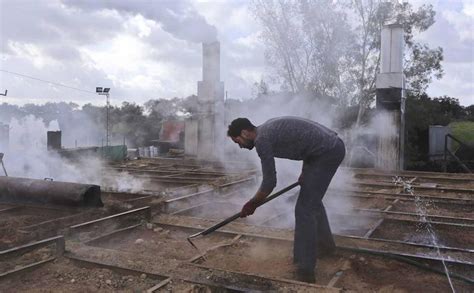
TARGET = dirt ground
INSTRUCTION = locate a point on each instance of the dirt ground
(212, 210)
(63, 275)
(176, 285)
(12, 221)
(186, 287)
(10, 237)
(27, 258)
(368, 273)
(451, 236)
(164, 250)
(5, 206)
(28, 216)
(359, 272)
(433, 208)
(267, 258)
(222, 210)
(358, 202)
(168, 243)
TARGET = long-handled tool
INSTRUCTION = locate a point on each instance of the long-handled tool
(236, 216)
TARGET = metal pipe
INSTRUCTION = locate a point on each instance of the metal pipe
(26, 190)
(237, 215)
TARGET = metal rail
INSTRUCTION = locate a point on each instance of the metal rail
(414, 217)
(245, 282)
(415, 250)
(458, 198)
(119, 269)
(406, 173)
(447, 151)
(144, 213)
(103, 236)
(60, 222)
(391, 185)
(173, 171)
(26, 267)
(396, 215)
(15, 251)
(196, 274)
(400, 196)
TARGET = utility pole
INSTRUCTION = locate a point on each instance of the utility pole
(105, 92)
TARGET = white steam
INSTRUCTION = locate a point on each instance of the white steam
(178, 18)
(373, 142)
(27, 156)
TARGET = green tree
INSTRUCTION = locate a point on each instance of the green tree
(333, 48)
(128, 121)
(450, 108)
(421, 112)
(304, 43)
(7, 112)
(470, 113)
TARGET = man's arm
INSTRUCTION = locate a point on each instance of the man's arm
(267, 160)
(260, 196)
(268, 182)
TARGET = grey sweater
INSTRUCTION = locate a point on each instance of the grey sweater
(291, 138)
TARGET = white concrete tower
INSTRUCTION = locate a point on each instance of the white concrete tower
(211, 128)
(390, 102)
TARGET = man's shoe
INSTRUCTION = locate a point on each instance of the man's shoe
(305, 275)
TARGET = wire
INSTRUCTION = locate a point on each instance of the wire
(47, 81)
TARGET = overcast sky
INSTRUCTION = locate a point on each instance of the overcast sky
(152, 49)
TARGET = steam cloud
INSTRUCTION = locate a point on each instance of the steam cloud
(178, 18)
(27, 156)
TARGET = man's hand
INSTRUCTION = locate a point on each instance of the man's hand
(248, 208)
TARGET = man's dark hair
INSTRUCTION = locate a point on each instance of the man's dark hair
(239, 124)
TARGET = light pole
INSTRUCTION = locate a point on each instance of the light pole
(105, 92)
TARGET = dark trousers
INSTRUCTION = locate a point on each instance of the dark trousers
(312, 232)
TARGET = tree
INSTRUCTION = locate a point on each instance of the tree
(333, 48)
(190, 105)
(470, 113)
(128, 122)
(7, 112)
(421, 112)
(450, 108)
(260, 89)
(303, 40)
(163, 109)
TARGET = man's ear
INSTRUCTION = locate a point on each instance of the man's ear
(244, 133)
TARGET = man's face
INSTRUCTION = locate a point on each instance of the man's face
(243, 142)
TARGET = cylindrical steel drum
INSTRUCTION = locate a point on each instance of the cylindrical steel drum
(26, 190)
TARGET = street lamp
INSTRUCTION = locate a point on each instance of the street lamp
(105, 92)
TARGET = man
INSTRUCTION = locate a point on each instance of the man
(321, 151)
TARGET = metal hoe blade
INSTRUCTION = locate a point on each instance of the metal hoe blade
(237, 215)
